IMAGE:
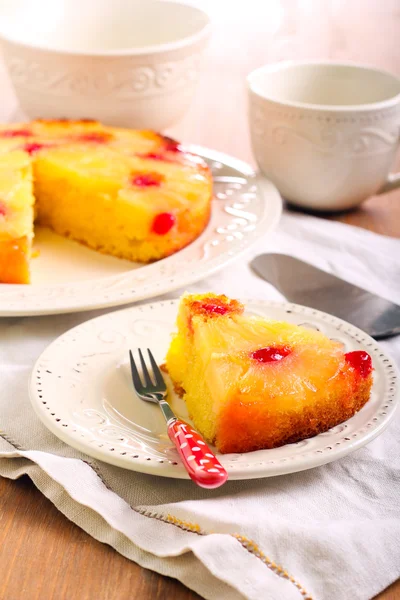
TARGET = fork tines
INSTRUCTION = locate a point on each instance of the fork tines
(152, 382)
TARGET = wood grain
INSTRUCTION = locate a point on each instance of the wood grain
(45, 556)
(42, 554)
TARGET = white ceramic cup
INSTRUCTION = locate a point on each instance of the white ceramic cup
(325, 133)
(124, 62)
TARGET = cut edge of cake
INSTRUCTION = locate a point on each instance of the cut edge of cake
(16, 217)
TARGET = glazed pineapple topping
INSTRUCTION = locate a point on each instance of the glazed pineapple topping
(133, 194)
(251, 383)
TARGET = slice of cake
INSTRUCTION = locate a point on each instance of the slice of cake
(250, 383)
(16, 217)
(137, 195)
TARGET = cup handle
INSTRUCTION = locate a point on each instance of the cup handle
(392, 183)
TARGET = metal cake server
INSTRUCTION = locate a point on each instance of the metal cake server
(303, 283)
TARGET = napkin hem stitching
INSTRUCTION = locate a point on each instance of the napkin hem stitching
(245, 542)
(11, 441)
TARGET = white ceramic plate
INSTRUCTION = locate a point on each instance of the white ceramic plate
(68, 277)
(81, 389)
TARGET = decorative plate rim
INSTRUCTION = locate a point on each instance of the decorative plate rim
(260, 215)
(237, 465)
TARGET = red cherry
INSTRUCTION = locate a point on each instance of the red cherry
(171, 145)
(11, 133)
(211, 306)
(360, 361)
(34, 147)
(154, 156)
(163, 223)
(215, 309)
(271, 353)
(147, 179)
(159, 156)
(98, 137)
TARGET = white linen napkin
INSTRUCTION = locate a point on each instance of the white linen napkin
(331, 533)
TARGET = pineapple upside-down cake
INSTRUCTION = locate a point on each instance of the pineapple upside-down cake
(133, 194)
(250, 383)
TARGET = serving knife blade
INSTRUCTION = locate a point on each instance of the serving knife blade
(305, 284)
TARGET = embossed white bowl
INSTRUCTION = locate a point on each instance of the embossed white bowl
(124, 62)
(325, 133)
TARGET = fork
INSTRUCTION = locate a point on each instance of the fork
(199, 461)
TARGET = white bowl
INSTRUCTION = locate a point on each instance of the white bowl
(124, 62)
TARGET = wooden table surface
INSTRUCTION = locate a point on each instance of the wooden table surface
(43, 555)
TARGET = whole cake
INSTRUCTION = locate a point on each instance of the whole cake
(250, 383)
(136, 195)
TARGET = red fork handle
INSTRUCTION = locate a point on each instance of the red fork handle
(201, 464)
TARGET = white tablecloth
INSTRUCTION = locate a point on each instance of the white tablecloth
(331, 533)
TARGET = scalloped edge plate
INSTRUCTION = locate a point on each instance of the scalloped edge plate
(81, 389)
